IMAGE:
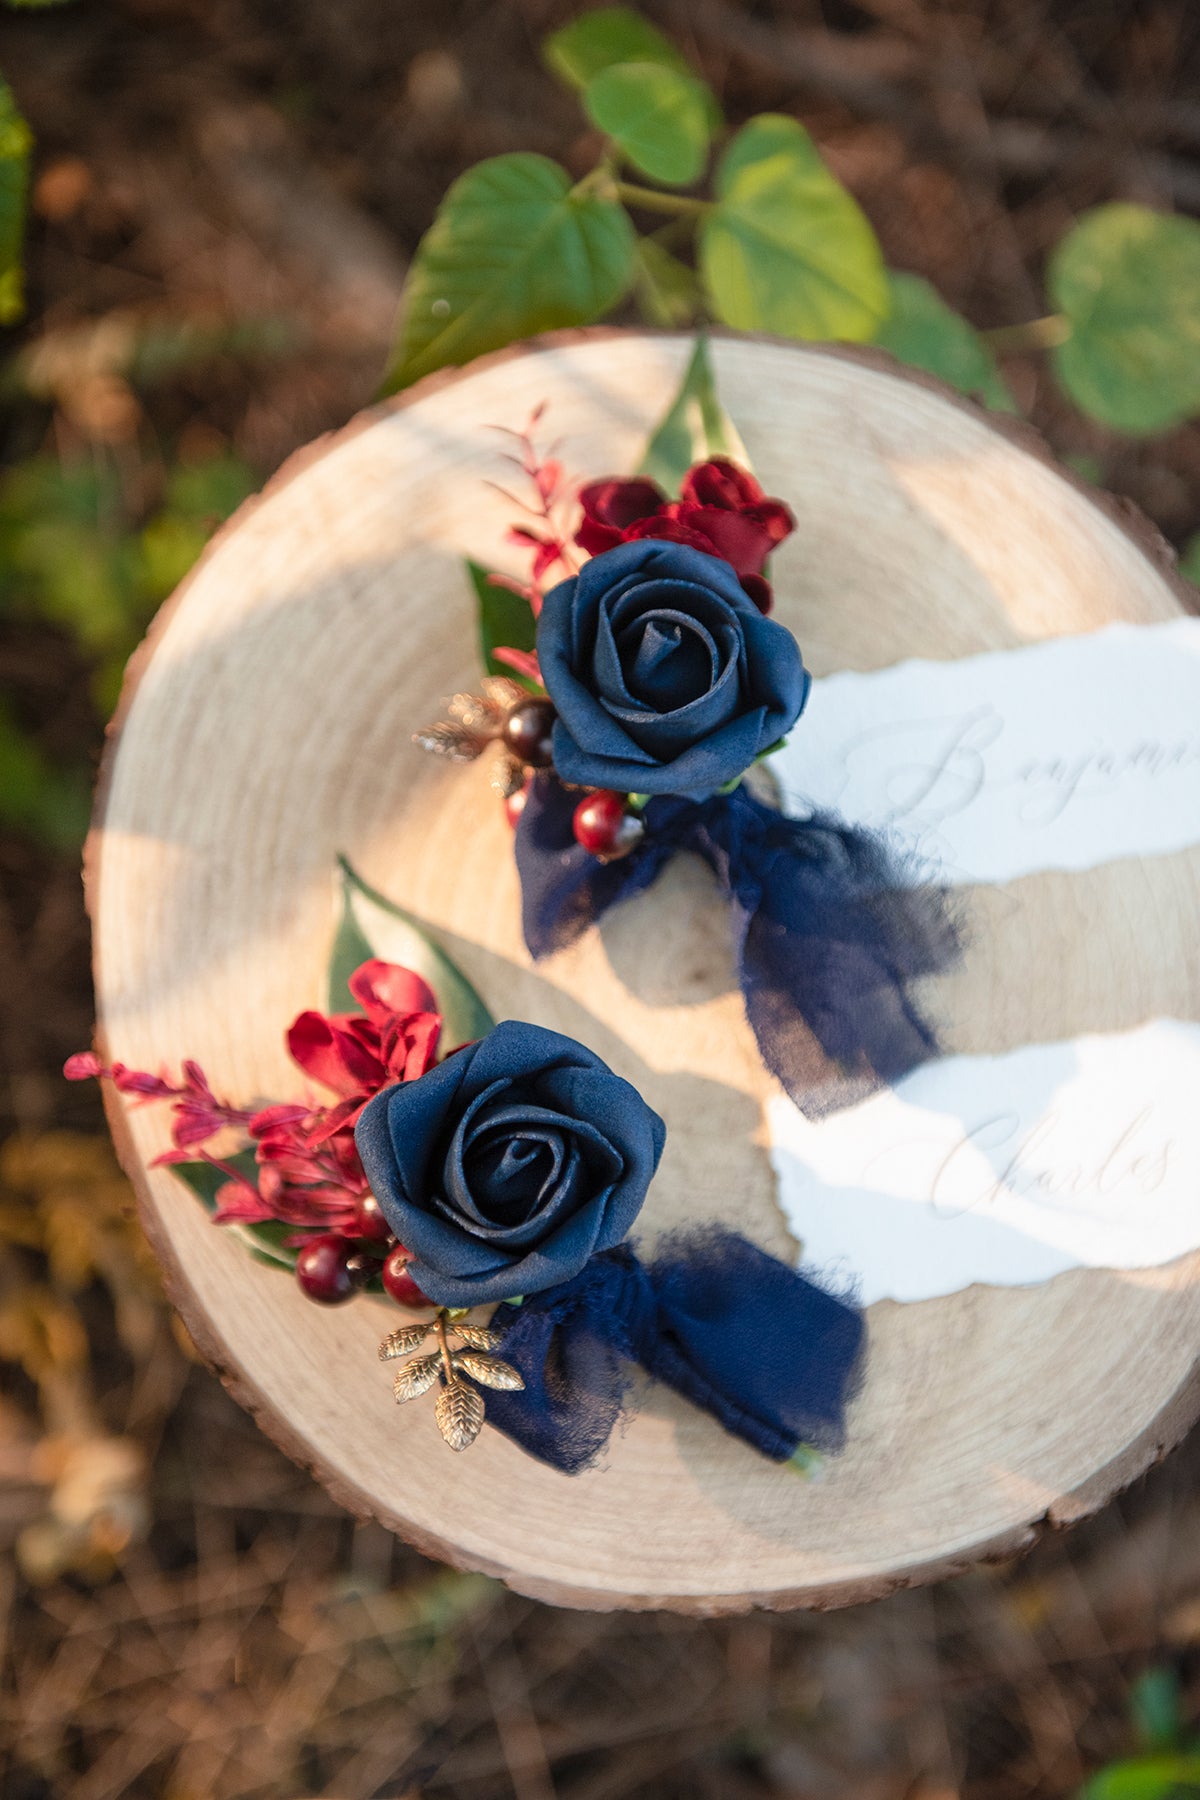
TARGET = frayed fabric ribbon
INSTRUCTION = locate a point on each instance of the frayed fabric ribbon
(829, 929)
(770, 1355)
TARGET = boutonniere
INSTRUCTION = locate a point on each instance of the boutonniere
(487, 1179)
(636, 688)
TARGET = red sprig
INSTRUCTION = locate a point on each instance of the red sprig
(307, 1171)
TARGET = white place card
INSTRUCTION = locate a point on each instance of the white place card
(1059, 755)
(1002, 1169)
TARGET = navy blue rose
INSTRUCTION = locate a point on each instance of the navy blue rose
(506, 1167)
(666, 677)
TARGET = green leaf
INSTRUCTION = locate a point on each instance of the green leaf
(370, 920)
(1145, 1778)
(514, 250)
(656, 116)
(695, 427)
(264, 1241)
(616, 34)
(926, 333)
(16, 142)
(667, 290)
(1155, 1706)
(506, 622)
(786, 249)
(351, 949)
(1128, 282)
(1189, 562)
(612, 34)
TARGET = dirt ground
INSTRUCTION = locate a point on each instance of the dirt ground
(244, 180)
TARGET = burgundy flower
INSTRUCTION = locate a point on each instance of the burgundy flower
(394, 1038)
(721, 510)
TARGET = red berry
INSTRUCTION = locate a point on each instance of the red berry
(398, 1282)
(514, 805)
(603, 827)
(369, 1222)
(323, 1269)
(527, 732)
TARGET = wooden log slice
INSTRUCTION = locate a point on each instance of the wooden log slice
(266, 727)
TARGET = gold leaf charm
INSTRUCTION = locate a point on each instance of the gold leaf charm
(507, 772)
(472, 722)
(417, 1376)
(448, 739)
(503, 693)
(489, 1369)
(459, 1413)
(459, 1409)
(478, 1336)
(409, 1337)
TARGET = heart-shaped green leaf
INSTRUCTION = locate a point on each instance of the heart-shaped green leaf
(1128, 282)
(694, 427)
(506, 622)
(16, 141)
(786, 249)
(656, 116)
(926, 333)
(370, 925)
(514, 250)
(616, 34)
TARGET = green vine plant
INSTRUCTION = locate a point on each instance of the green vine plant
(774, 243)
(16, 151)
(1164, 1763)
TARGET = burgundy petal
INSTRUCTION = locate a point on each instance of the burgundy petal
(722, 483)
(385, 989)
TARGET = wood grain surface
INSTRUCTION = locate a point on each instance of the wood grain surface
(265, 727)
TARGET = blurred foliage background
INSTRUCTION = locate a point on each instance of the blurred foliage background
(225, 197)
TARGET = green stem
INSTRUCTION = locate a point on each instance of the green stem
(677, 204)
(1035, 334)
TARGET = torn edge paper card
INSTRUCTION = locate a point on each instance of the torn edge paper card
(1059, 755)
(1002, 1169)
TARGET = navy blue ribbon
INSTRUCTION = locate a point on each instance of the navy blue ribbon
(770, 1355)
(829, 929)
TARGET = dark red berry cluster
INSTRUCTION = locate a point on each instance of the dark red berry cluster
(604, 823)
(331, 1267)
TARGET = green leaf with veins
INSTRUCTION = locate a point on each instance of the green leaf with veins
(786, 248)
(515, 249)
(656, 117)
(616, 34)
(924, 332)
(1127, 281)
